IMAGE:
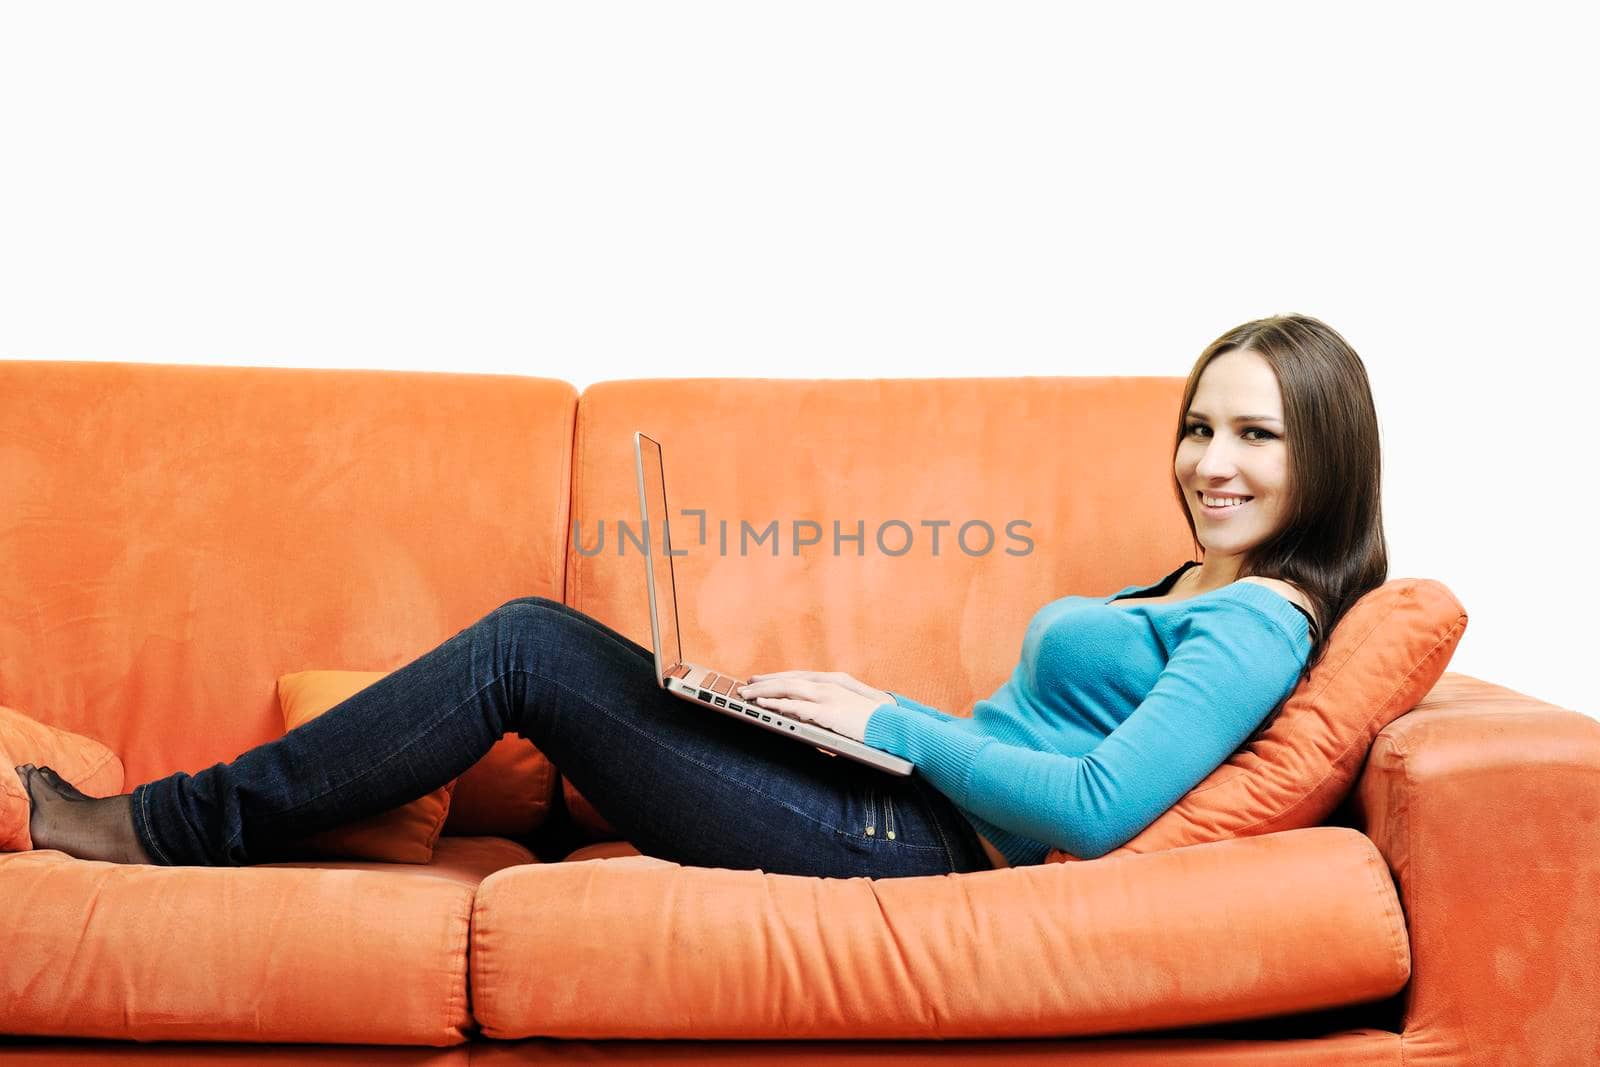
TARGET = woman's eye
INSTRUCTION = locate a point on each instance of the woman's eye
(1265, 435)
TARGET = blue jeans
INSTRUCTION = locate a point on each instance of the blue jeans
(679, 781)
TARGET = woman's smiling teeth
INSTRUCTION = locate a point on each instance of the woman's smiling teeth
(1223, 503)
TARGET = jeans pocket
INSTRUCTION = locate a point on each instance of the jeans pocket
(863, 825)
(880, 814)
(873, 818)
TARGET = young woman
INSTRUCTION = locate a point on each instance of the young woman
(1118, 707)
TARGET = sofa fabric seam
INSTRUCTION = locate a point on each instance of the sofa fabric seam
(1395, 923)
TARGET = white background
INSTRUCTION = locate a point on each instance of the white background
(610, 190)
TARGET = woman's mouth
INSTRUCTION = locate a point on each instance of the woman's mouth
(1221, 512)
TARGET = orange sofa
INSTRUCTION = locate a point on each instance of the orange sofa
(176, 538)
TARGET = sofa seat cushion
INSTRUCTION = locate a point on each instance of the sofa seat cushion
(339, 951)
(1229, 930)
(600, 850)
(464, 860)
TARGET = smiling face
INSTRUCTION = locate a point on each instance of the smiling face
(1225, 454)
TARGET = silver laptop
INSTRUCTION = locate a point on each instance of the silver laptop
(702, 685)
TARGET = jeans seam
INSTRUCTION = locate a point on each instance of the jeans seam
(938, 828)
(144, 816)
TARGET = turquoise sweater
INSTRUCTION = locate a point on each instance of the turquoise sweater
(1112, 715)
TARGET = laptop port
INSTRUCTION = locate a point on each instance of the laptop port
(720, 702)
(706, 696)
(766, 718)
(753, 714)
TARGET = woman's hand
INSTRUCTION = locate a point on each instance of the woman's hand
(831, 699)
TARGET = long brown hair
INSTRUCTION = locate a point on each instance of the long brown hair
(1331, 544)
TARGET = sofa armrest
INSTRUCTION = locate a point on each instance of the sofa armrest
(1486, 805)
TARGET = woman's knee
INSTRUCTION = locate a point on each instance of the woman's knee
(528, 609)
(542, 601)
(527, 623)
(539, 615)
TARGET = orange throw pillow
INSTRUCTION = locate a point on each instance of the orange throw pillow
(83, 761)
(405, 834)
(1383, 657)
(508, 793)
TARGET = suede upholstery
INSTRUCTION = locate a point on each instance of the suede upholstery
(1417, 890)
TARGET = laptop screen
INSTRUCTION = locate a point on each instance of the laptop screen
(656, 537)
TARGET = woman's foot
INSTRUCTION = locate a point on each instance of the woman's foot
(89, 828)
(62, 786)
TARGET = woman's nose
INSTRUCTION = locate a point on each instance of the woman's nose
(1216, 462)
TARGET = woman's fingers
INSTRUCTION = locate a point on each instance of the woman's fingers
(800, 709)
(786, 686)
(836, 677)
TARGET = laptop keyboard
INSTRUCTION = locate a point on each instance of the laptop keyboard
(722, 684)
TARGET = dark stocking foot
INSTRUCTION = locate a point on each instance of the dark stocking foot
(89, 828)
(62, 786)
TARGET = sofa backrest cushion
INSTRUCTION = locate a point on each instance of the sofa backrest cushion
(176, 537)
(1078, 467)
(1045, 486)
(1382, 658)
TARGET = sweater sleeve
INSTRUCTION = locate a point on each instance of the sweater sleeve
(1225, 675)
(901, 700)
